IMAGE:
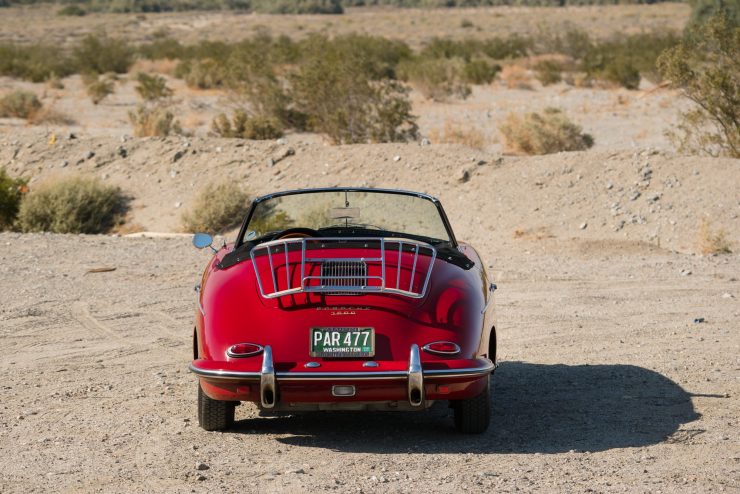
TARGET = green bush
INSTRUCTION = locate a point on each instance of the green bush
(152, 87)
(246, 127)
(101, 54)
(549, 132)
(72, 205)
(344, 95)
(153, 121)
(202, 74)
(480, 72)
(706, 68)
(72, 11)
(98, 87)
(162, 48)
(11, 193)
(704, 10)
(548, 72)
(218, 207)
(19, 104)
(297, 6)
(35, 63)
(436, 78)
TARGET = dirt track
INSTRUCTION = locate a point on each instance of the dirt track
(605, 383)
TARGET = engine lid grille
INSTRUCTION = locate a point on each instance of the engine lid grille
(345, 275)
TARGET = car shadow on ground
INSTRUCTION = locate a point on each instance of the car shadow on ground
(536, 408)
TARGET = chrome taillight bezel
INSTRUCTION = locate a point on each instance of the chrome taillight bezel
(442, 353)
(258, 350)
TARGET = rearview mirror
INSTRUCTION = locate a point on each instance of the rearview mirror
(202, 240)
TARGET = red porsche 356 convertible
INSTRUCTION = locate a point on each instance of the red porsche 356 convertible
(344, 299)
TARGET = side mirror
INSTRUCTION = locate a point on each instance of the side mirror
(202, 240)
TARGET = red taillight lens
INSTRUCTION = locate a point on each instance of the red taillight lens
(244, 350)
(442, 348)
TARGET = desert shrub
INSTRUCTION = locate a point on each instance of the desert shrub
(480, 72)
(515, 46)
(19, 104)
(246, 127)
(152, 87)
(548, 72)
(516, 77)
(201, 74)
(436, 78)
(72, 205)
(344, 96)
(50, 116)
(710, 241)
(704, 10)
(35, 63)
(297, 6)
(217, 208)
(456, 133)
(162, 48)
(72, 11)
(466, 24)
(98, 87)
(153, 121)
(101, 54)
(11, 193)
(549, 132)
(706, 68)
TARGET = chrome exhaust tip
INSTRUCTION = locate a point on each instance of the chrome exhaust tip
(267, 379)
(415, 378)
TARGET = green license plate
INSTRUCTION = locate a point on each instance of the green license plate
(342, 342)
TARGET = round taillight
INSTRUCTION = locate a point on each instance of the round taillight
(442, 348)
(244, 350)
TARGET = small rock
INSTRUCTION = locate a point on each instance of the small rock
(200, 477)
(90, 155)
(178, 155)
(635, 195)
(481, 162)
(727, 295)
(396, 158)
(121, 151)
(685, 272)
(425, 142)
(282, 141)
(463, 175)
(699, 320)
(295, 471)
(201, 466)
(173, 173)
(178, 205)
(583, 225)
(64, 163)
(270, 162)
(609, 186)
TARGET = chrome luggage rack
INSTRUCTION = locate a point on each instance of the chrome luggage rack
(343, 275)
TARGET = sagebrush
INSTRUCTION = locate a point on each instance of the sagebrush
(543, 133)
(11, 193)
(19, 104)
(72, 205)
(217, 208)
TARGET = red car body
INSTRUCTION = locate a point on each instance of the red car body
(270, 295)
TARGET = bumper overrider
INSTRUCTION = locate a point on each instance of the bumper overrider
(412, 383)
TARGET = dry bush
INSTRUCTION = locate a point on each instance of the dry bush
(218, 207)
(166, 66)
(246, 127)
(72, 205)
(438, 79)
(548, 72)
(549, 132)
(152, 87)
(98, 87)
(516, 77)
(19, 104)
(153, 121)
(11, 193)
(710, 241)
(50, 116)
(455, 133)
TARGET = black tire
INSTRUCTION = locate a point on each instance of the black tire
(473, 415)
(214, 415)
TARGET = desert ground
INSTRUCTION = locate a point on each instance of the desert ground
(618, 339)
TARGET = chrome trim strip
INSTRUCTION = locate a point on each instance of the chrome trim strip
(197, 299)
(362, 375)
(491, 288)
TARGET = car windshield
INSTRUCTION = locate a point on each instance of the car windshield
(345, 212)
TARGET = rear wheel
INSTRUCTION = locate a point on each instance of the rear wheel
(473, 415)
(214, 415)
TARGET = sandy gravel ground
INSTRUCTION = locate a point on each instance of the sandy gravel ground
(606, 384)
